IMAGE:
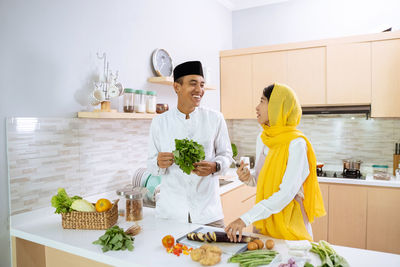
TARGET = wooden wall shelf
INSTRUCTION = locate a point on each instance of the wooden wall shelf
(170, 81)
(115, 115)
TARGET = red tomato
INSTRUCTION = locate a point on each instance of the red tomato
(168, 241)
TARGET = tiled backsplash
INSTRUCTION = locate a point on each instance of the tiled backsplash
(334, 137)
(91, 156)
(85, 156)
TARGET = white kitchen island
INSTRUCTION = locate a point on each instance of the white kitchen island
(43, 227)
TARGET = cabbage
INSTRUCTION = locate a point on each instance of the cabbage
(82, 205)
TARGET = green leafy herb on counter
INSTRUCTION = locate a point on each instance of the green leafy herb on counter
(186, 153)
(328, 256)
(234, 150)
(62, 202)
(115, 239)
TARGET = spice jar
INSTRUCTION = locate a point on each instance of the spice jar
(134, 204)
(121, 195)
(140, 101)
(129, 100)
(151, 102)
(161, 108)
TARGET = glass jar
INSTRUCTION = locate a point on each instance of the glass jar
(121, 195)
(380, 172)
(134, 204)
(151, 102)
(129, 100)
(140, 101)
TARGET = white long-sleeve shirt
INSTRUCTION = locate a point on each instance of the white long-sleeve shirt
(182, 194)
(297, 170)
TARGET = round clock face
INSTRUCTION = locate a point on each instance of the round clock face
(162, 63)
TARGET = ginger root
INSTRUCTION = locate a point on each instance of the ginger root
(207, 255)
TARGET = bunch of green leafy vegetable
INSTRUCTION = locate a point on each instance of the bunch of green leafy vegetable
(115, 239)
(234, 150)
(252, 258)
(186, 153)
(62, 202)
(328, 256)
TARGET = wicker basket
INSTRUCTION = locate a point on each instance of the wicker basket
(91, 220)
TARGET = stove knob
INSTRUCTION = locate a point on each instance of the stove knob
(324, 174)
(334, 175)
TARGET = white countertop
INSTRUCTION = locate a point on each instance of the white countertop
(44, 227)
(369, 181)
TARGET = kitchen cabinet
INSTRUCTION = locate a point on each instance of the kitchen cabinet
(354, 70)
(238, 201)
(383, 222)
(268, 68)
(347, 215)
(320, 225)
(30, 254)
(386, 78)
(306, 74)
(348, 73)
(237, 92)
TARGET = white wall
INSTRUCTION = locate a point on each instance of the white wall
(48, 56)
(304, 20)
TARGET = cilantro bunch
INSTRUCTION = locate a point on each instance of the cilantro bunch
(186, 153)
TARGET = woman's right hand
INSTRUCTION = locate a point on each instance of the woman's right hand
(243, 172)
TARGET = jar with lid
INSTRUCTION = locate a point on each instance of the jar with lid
(129, 100)
(134, 204)
(121, 195)
(380, 172)
(140, 101)
(151, 102)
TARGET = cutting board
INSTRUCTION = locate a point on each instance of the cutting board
(226, 247)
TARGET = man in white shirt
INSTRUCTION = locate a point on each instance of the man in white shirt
(195, 197)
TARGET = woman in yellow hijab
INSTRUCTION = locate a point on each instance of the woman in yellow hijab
(288, 194)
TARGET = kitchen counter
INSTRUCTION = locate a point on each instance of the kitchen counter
(44, 227)
(369, 181)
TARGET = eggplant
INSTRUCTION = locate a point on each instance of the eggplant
(216, 237)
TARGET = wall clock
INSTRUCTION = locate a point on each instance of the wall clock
(162, 63)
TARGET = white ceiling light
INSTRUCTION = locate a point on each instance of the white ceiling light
(243, 4)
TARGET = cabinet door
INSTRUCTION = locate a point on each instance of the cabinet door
(236, 88)
(306, 75)
(386, 78)
(320, 225)
(383, 222)
(236, 202)
(347, 215)
(349, 73)
(268, 68)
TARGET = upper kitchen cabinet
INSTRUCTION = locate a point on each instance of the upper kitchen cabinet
(267, 68)
(236, 87)
(306, 74)
(349, 73)
(386, 78)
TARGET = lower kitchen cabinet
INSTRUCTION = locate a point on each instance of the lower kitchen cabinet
(320, 225)
(238, 201)
(347, 215)
(30, 254)
(360, 216)
(383, 223)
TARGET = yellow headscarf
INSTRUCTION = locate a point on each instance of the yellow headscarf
(284, 114)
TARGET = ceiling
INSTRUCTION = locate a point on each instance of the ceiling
(243, 4)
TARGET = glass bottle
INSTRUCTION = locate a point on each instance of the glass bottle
(398, 172)
(140, 101)
(151, 102)
(129, 98)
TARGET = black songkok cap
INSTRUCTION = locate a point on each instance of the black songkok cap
(188, 68)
